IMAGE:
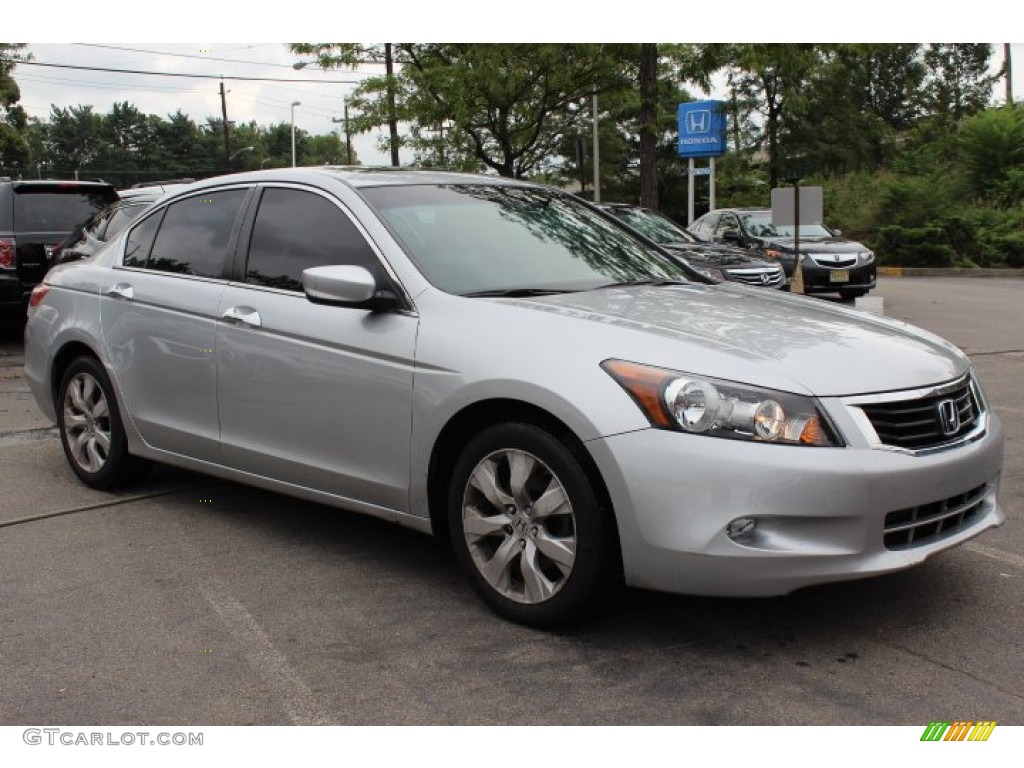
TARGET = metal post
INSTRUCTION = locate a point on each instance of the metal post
(711, 194)
(597, 157)
(689, 191)
(348, 139)
(798, 269)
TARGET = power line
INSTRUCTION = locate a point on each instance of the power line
(180, 74)
(195, 56)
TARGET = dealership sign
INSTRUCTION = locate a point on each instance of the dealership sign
(701, 129)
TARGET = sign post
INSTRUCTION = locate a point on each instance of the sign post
(793, 206)
(701, 134)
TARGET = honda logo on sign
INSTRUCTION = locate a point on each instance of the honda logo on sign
(698, 121)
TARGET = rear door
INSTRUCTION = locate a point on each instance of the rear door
(159, 316)
(317, 396)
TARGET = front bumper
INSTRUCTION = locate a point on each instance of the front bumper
(821, 511)
(820, 279)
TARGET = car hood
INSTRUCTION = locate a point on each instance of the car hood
(715, 255)
(757, 337)
(816, 244)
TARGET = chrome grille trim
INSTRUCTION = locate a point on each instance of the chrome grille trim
(972, 408)
(926, 523)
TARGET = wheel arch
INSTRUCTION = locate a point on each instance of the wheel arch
(474, 418)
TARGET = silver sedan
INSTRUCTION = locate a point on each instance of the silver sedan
(496, 362)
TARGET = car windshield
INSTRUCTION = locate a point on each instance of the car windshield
(476, 238)
(760, 225)
(659, 228)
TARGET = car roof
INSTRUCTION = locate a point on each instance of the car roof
(358, 177)
(63, 183)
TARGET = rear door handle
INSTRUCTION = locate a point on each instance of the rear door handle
(245, 315)
(122, 291)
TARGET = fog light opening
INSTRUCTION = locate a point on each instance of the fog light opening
(741, 529)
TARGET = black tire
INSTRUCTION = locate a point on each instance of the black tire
(530, 550)
(93, 436)
(852, 293)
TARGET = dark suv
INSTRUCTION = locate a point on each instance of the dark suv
(89, 236)
(34, 217)
(832, 264)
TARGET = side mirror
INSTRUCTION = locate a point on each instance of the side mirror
(346, 286)
(837, 232)
(732, 236)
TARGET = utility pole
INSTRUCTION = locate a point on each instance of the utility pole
(1008, 63)
(227, 139)
(389, 69)
(348, 136)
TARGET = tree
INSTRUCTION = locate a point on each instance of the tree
(14, 151)
(856, 102)
(74, 137)
(958, 80)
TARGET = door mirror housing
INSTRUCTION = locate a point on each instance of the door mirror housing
(732, 236)
(346, 285)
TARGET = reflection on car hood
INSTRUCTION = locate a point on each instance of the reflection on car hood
(816, 244)
(715, 255)
(759, 336)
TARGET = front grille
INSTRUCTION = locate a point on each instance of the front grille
(918, 526)
(771, 276)
(828, 262)
(917, 424)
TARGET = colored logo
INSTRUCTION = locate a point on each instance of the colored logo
(958, 730)
(698, 121)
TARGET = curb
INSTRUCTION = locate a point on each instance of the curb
(948, 272)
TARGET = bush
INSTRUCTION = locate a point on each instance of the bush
(915, 247)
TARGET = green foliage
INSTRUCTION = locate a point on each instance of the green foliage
(992, 150)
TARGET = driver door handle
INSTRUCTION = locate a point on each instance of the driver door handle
(244, 315)
(121, 291)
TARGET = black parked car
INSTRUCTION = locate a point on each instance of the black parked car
(718, 262)
(34, 217)
(831, 263)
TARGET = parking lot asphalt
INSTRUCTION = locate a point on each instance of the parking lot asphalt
(186, 600)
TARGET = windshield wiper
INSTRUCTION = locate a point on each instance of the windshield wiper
(513, 293)
(631, 283)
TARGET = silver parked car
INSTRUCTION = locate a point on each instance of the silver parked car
(496, 362)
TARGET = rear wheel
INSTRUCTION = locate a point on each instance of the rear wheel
(91, 430)
(528, 528)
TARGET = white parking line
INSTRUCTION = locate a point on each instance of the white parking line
(996, 554)
(296, 698)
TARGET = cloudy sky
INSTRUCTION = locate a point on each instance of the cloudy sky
(266, 102)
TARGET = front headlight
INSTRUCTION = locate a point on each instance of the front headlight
(705, 406)
(867, 256)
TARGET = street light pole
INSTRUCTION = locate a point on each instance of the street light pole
(294, 105)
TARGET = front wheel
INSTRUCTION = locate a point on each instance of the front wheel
(90, 428)
(528, 528)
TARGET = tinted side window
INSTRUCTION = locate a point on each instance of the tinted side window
(193, 238)
(296, 230)
(140, 241)
(120, 218)
(709, 223)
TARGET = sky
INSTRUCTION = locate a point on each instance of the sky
(321, 100)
